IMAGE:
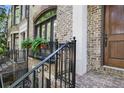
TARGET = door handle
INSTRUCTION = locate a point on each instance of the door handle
(105, 39)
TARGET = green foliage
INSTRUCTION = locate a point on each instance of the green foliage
(3, 18)
(1, 51)
(37, 42)
(3, 43)
(3, 25)
(26, 43)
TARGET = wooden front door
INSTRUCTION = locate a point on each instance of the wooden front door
(114, 36)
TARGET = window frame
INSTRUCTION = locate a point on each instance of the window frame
(51, 20)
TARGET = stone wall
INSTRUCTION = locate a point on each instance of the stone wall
(64, 23)
(94, 37)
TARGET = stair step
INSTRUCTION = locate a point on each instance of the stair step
(4, 66)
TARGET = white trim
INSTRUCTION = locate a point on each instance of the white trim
(114, 68)
(13, 32)
(80, 32)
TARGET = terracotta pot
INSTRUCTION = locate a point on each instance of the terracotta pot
(29, 46)
(43, 46)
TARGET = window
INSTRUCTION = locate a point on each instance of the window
(45, 28)
(17, 14)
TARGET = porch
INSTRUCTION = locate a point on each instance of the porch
(95, 79)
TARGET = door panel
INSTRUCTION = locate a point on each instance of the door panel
(114, 31)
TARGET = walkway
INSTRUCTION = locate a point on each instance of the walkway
(98, 80)
(6, 67)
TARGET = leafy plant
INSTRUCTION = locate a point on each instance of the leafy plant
(26, 43)
(3, 18)
(3, 43)
(1, 51)
(37, 42)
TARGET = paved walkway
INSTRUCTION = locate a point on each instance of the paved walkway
(98, 80)
(7, 66)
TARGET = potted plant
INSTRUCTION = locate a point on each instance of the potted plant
(39, 43)
(26, 43)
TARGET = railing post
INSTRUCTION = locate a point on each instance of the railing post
(74, 63)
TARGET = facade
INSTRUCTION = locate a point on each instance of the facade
(88, 24)
(17, 26)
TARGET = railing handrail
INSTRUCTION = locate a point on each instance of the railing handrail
(36, 67)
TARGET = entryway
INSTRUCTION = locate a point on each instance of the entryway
(114, 36)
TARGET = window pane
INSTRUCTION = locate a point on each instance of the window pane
(54, 29)
(48, 31)
(38, 31)
(43, 31)
(23, 14)
(17, 15)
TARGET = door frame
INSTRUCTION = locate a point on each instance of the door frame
(102, 36)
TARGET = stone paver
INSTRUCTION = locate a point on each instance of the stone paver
(99, 80)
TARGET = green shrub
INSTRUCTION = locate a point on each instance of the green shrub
(26, 43)
(37, 42)
(1, 51)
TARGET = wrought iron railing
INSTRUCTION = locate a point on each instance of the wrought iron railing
(46, 74)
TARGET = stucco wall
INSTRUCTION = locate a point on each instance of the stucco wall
(80, 32)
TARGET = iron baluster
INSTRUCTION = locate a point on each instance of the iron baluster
(34, 79)
(74, 63)
(65, 63)
(42, 75)
(61, 77)
(49, 73)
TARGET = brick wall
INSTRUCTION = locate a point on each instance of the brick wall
(64, 23)
(94, 36)
(95, 41)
